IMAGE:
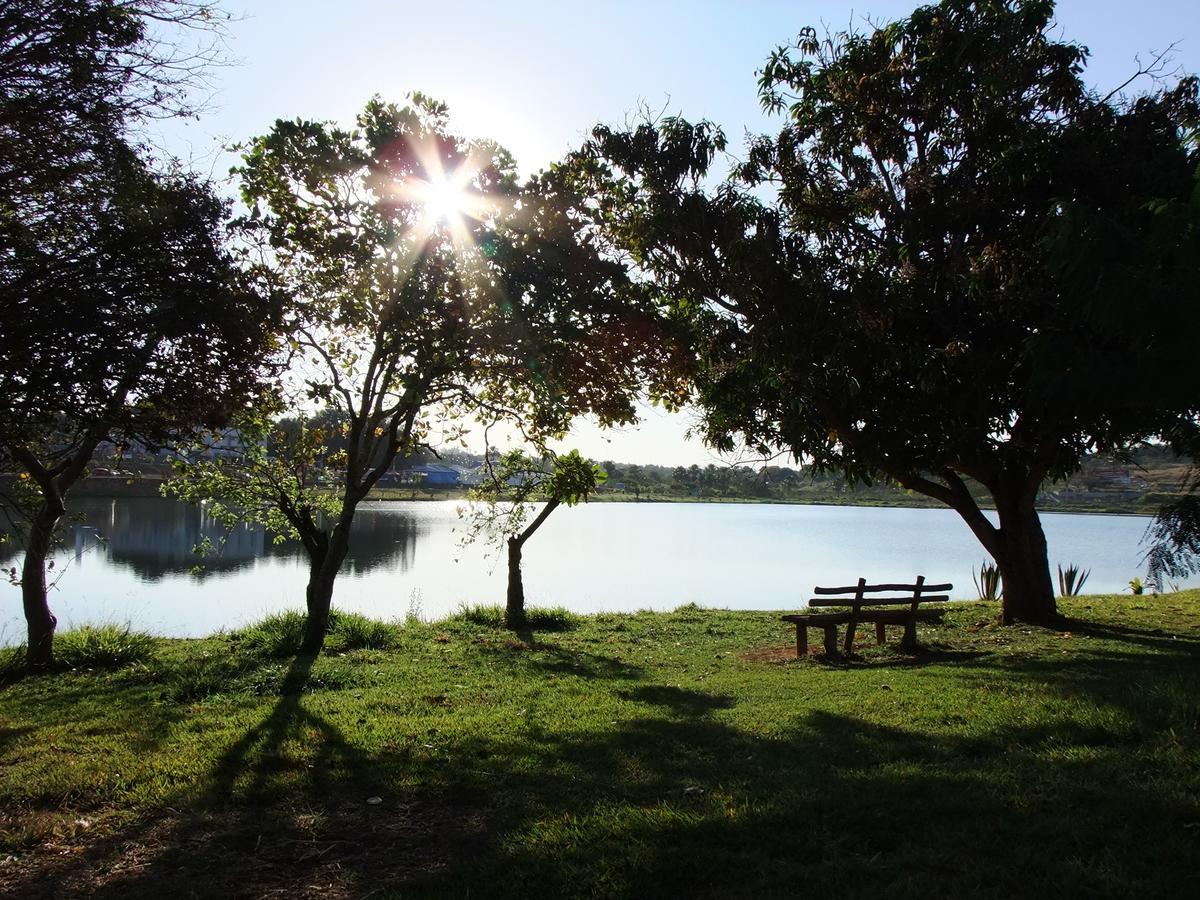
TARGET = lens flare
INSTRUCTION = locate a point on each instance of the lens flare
(444, 199)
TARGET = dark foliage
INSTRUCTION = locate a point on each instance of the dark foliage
(966, 269)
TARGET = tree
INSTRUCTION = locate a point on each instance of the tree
(888, 287)
(126, 316)
(503, 507)
(427, 284)
(141, 329)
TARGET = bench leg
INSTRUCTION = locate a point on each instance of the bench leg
(879, 632)
(851, 628)
(801, 640)
(909, 641)
(831, 640)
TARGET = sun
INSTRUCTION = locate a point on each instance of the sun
(444, 199)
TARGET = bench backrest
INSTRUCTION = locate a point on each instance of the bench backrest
(917, 593)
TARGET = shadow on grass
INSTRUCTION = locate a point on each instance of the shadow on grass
(922, 656)
(542, 657)
(10, 736)
(681, 701)
(696, 803)
(1156, 638)
(267, 816)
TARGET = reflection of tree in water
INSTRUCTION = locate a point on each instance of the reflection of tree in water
(156, 537)
(378, 538)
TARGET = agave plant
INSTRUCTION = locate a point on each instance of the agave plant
(1071, 579)
(987, 582)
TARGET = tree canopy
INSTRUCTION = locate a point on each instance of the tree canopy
(127, 315)
(901, 283)
(428, 284)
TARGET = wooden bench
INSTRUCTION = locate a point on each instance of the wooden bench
(864, 609)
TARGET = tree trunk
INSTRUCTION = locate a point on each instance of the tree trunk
(1018, 546)
(39, 654)
(1024, 564)
(514, 607)
(323, 570)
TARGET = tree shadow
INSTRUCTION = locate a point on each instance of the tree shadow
(550, 658)
(694, 798)
(1155, 638)
(681, 701)
(921, 657)
(10, 735)
(331, 824)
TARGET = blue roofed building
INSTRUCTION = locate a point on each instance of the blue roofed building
(431, 475)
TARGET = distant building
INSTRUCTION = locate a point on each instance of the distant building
(1113, 477)
(225, 444)
(431, 475)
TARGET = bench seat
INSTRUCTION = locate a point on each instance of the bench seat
(906, 611)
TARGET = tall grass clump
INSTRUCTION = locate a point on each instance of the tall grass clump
(538, 618)
(281, 634)
(479, 614)
(1071, 579)
(551, 618)
(197, 677)
(102, 647)
(12, 662)
(353, 631)
(278, 635)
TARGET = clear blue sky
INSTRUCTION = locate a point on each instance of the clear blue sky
(536, 76)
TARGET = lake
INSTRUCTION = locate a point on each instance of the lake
(131, 560)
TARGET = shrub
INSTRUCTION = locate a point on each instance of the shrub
(987, 583)
(102, 647)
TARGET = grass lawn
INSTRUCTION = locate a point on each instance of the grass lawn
(651, 755)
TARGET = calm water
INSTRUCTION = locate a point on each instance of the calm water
(131, 560)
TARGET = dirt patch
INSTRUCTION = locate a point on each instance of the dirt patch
(325, 850)
(774, 654)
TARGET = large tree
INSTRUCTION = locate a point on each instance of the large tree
(428, 283)
(140, 327)
(126, 315)
(893, 285)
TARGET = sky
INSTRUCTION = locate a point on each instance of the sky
(537, 76)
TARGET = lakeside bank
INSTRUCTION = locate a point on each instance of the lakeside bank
(649, 755)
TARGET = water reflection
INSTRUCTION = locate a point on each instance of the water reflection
(156, 538)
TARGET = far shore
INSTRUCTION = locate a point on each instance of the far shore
(117, 487)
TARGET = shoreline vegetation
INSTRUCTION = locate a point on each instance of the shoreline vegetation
(643, 754)
(1106, 503)
(1142, 485)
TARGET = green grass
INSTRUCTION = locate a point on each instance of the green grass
(537, 618)
(88, 647)
(646, 755)
(102, 647)
(280, 635)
